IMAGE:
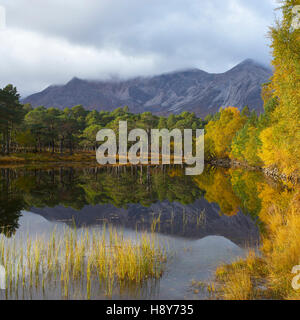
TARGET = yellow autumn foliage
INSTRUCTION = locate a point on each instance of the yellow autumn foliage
(220, 132)
(281, 141)
(218, 189)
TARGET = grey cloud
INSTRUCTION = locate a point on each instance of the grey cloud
(167, 35)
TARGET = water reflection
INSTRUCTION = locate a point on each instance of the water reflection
(135, 197)
(188, 259)
(206, 220)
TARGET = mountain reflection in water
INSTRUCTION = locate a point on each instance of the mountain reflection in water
(205, 220)
(133, 197)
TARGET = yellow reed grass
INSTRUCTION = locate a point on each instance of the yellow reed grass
(268, 276)
(110, 260)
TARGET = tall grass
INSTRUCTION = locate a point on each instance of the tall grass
(268, 276)
(81, 257)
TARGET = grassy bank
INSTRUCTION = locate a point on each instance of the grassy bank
(43, 157)
(269, 275)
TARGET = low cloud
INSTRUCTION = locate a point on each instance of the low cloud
(51, 41)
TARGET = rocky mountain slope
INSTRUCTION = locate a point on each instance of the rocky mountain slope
(240, 229)
(189, 90)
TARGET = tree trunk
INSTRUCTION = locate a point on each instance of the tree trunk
(39, 144)
(7, 150)
(71, 147)
(61, 145)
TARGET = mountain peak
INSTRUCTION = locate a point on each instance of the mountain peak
(252, 62)
(248, 61)
(250, 66)
(75, 79)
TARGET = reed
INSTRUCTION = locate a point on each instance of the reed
(107, 259)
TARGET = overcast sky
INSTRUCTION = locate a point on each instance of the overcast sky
(51, 41)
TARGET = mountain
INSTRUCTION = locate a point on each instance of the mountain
(240, 229)
(189, 90)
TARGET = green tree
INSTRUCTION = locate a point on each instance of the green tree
(36, 121)
(89, 136)
(12, 114)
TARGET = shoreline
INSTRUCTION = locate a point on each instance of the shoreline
(269, 172)
(89, 158)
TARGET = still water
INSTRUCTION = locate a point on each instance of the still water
(202, 221)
